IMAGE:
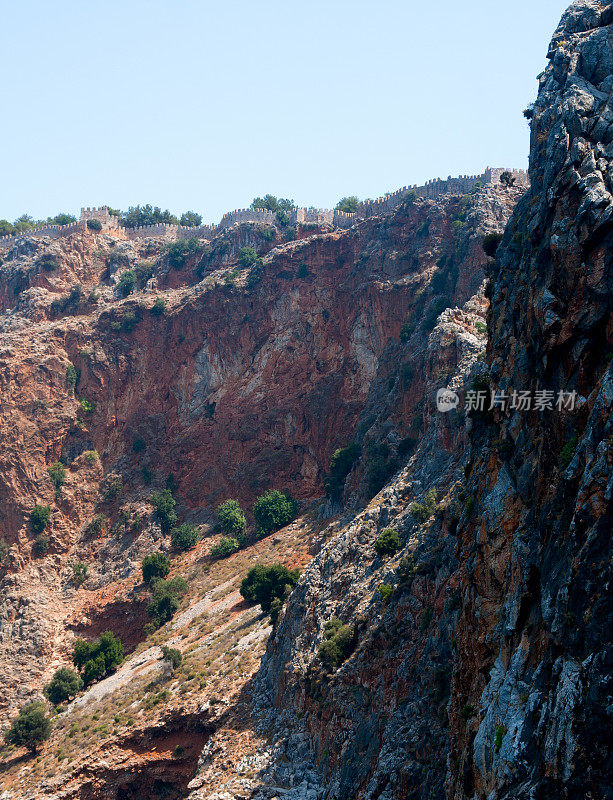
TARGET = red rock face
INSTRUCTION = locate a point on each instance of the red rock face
(248, 379)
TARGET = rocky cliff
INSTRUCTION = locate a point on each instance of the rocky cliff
(220, 379)
(450, 632)
(534, 654)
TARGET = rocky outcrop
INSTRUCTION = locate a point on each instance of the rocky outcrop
(534, 653)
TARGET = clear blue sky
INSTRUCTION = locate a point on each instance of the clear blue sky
(202, 105)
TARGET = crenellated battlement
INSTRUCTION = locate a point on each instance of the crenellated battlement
(319, 216)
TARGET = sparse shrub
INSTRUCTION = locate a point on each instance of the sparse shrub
(30, 728)
(247, 256)
(178, 752)
(490, 244)
(481, 327)
(406, 569)
(500, 732)
(381, 466)
(4, 552)
(432, 315)
(57, 473)
(166, 599)
(173, 656)
(263, 583)
(98, 658)
(127, 282)
(406, 330)
(114, 487)
(568, 451)
(79, 573)
(426, 619)
(139, 444)
(155, 565)
(469, 505)
(268, 234)
(91, 456)
(97, 525)
(87, 406)
(72, 377)
(94, 224)
(41, 546)
(179, 251)
(158, 309)
(224, 548)
(424, 510)
(341, 463)
(275, 610)
(164, 503)
(387, 542)
(184, 537)
(467, 711)
(49, 262)
(232, 520)
(147, 474)
(339, 642)
(406, 445)
(64, 684)
(39, 518)
(386, 590)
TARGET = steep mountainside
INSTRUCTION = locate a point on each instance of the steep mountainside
(228, 379)
(449, 635)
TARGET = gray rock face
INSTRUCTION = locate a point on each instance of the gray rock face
(534, 653)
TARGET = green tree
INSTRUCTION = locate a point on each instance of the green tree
(94, 225)
(30, 728)
(490, 243)
(6, 228)
(247, 256)
(184, 537)
(127, 282)
(424, 510)
(98, 658)
(179, 251)
(173, 656)
(159, 307)
(339, 641)
(164, 503)
(263, 583)
(61, 219)
(64, 684)
(24, 223)
(166, 599)
(190, 219)
(41, 546)
(39, 518)
(273, 510)
(341, 464)
(136, 216)
(156, 565)
(348, 204)
(232, 519)
(388, 542)
(271, 203)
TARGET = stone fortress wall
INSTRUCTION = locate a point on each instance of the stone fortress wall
(299, 216)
